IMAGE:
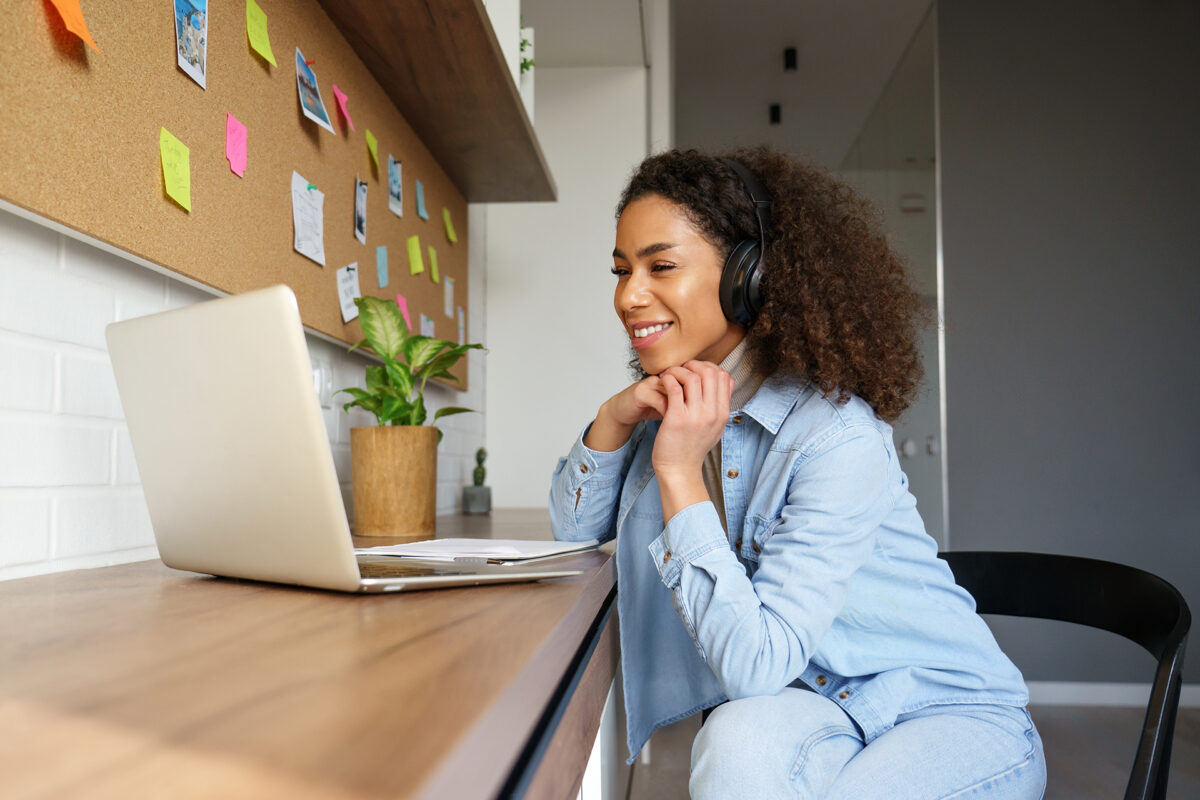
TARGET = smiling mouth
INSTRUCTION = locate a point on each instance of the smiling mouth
(650, 330)
(644, 337)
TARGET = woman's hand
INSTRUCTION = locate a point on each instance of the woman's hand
(697, 408)
(617, 418)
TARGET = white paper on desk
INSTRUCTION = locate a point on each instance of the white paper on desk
(509, 550)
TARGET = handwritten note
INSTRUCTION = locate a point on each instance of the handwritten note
(176, 167)
(450, 234)
(402, 301)
(341, 98)
(373, 146)
(381, 271)
(72, 17)
(448, 297)
(433, 270)
(256, 31)
(427, 326)
(415, 263)
(421, 212)
(235, 145)
(308, 207)
(347, 287)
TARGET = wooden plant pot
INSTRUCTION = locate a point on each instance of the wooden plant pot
(395, 480)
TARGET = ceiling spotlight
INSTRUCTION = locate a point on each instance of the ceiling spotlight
(775, 112)
(789, 59)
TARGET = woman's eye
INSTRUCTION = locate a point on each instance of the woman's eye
(663, 267)
(619, 271)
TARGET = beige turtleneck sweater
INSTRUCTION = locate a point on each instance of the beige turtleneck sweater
(745, 384)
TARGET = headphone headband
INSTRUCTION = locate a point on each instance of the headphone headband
(759, 196)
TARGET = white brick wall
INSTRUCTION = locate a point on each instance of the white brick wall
(70, 496)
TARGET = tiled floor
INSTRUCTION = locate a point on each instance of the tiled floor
(1088, 754)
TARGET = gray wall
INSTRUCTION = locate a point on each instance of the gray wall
(1070, 142)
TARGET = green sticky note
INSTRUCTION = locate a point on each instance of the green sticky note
(176, 166)
(450, 234)
(433, 271)
(373, 146)
(256, 29)
(415, 264)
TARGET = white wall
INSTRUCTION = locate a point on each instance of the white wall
(70, 495)
(557, 350)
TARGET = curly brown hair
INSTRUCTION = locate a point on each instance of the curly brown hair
(838, 308)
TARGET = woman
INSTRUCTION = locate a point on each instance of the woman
(771, 561)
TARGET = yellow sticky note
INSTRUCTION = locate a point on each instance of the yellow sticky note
(415, 264)
(256, 29)
(176, 166)
(450, 234)
(433, 271)
(373, 146)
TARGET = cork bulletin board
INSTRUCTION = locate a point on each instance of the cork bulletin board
(79, 145)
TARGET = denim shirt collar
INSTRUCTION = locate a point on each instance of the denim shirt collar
(775, 399)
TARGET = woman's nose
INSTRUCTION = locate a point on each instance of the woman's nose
(633, 292)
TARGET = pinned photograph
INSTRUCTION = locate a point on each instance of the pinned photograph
(310, 93)
(191, 38)
(360, 210)
(348, 289)
(395, 187)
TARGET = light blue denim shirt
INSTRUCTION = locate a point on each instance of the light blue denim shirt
(827, 579)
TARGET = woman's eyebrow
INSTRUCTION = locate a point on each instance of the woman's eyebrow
(648, 250)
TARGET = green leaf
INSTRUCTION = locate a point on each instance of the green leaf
(356, 393)
(449, 358)
(400, 376)
(376, 378)
(448, 410)
(418, 412)
(382, 325)
(446, 374)
(418, 353)
(439, 430)
(391, 409)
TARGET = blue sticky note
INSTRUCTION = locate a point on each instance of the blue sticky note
(421, 212)
(381, 265)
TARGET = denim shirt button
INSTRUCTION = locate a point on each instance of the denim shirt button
(583, 468)
(666, 556)
(737, 420)
(755, 546)
(733, 473)
(844, 695)
(821, 680)
(738, 544)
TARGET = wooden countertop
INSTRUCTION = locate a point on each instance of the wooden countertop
(138, 680)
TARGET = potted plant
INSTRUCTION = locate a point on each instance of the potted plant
(394, 463)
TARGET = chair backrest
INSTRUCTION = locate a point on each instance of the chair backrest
(1131, 602)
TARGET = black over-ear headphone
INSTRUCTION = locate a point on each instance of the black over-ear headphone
(741, 294)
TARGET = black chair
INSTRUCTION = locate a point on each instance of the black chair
(1100, 594)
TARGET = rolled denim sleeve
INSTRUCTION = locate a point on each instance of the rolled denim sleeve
(586, 488)
(758, 634)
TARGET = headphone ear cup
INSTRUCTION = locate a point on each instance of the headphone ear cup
(740, 295)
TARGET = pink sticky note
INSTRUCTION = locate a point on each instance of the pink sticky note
(403, 303)
(341, 98)
(235, 145)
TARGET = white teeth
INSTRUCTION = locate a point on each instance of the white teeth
(639, 333)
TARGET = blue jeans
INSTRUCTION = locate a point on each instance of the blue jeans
(799, 744)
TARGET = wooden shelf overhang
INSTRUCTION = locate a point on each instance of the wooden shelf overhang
(441, 64)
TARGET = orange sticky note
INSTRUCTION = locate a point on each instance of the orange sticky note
(72, 17)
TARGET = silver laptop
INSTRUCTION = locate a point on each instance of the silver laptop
(233, 454)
